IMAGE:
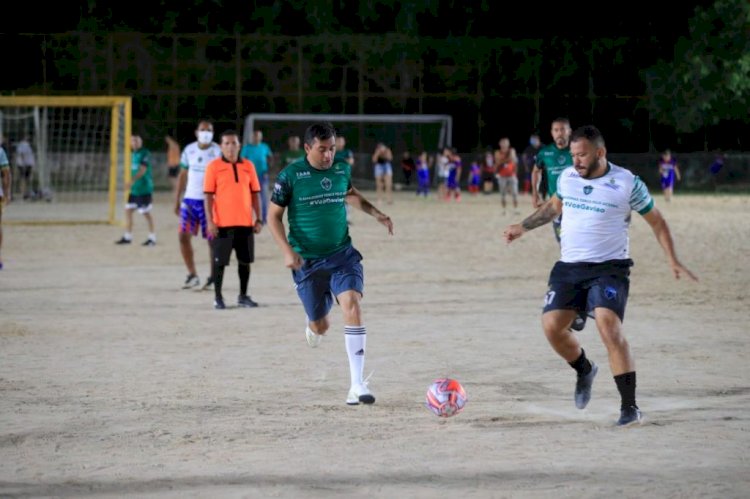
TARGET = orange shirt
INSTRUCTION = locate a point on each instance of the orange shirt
(232, 185)
(173, 152)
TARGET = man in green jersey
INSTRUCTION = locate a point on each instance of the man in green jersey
(141, 191)
(318, 248)
(552, 159)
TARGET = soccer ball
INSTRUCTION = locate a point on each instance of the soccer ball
(445, 397)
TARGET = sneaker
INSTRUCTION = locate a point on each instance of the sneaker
(629, 415)
(122, 240)
(579, 322)
(313, 339)
(245, 301)
(219, 303)
(191, 281)
(149, 242)
(583, 387)
(360, 394)
(209, 284)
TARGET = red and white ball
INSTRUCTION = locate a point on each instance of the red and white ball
(445, 397)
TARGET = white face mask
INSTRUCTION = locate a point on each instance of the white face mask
(205, 136)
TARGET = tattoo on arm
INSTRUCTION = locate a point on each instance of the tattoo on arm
(545, 214)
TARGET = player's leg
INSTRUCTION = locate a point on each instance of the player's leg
(563, 300)
(130, 207)
(514, 193)
(609, 297)
(347, 284)
(388, 184)
(187, 228)
(145, 206)
(312, 282)
(222, 249)
(244, 248)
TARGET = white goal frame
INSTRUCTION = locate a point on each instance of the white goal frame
(445, 120)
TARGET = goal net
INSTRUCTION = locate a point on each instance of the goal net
(401, 132)
(69, 157)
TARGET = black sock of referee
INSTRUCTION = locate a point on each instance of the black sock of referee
(581, 364)
(243, 269)
(218, 279)
(626, 386)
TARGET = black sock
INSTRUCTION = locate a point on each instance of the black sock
(581, 364)
(626, 387)
(218, 279)
(243, 269)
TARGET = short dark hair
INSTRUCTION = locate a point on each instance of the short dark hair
(590, 133)
(227, 133)
(321, 131)
(561, 119)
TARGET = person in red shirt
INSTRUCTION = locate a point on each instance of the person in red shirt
(232, 196)
(506, 161)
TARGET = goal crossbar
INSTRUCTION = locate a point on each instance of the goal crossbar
(445, 120)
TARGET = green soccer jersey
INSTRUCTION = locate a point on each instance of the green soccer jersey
(145, 184)
(554, 161)
(315, 205)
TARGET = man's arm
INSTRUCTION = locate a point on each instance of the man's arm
(211, 225)
(536, 177)
(664, 236)
(258, 219)
(357, 200)
(544, 214)
(181, 182)
(292, 259)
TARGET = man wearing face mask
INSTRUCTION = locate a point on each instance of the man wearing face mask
(189, 198)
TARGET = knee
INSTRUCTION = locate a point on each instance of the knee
(320, 326)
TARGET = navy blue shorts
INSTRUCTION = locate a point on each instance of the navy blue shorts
(320, 280)
(585, 286)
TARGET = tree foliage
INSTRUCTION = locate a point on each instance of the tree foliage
(709, 78)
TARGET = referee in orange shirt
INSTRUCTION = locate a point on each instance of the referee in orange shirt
(232, 195)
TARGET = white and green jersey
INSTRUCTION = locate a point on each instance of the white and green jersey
(554, 161)
(596, 213)
(315, 206)
(194, 160)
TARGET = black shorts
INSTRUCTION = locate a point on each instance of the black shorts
(585, 286)
(241, 239)
(173, 171)
(24, 171)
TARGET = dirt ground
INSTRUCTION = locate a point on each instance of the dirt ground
(115, 382)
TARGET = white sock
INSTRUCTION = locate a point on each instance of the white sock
(355, 338)
(152, 237)
(127, 236)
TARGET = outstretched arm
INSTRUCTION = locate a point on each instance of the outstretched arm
(664, 236)
(544, 214)
(357, 200)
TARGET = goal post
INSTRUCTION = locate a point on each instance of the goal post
(402, 132)
(80, 157)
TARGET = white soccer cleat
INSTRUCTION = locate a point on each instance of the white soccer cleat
(312, 339)
(360, 394)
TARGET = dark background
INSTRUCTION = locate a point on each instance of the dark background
(499, 69)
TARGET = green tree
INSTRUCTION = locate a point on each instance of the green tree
(709, 79)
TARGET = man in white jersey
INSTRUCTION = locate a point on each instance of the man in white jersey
(189, 207)
(596, 198)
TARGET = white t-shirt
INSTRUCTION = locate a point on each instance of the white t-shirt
(25, 154)
(596, 213)
(194, 160)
